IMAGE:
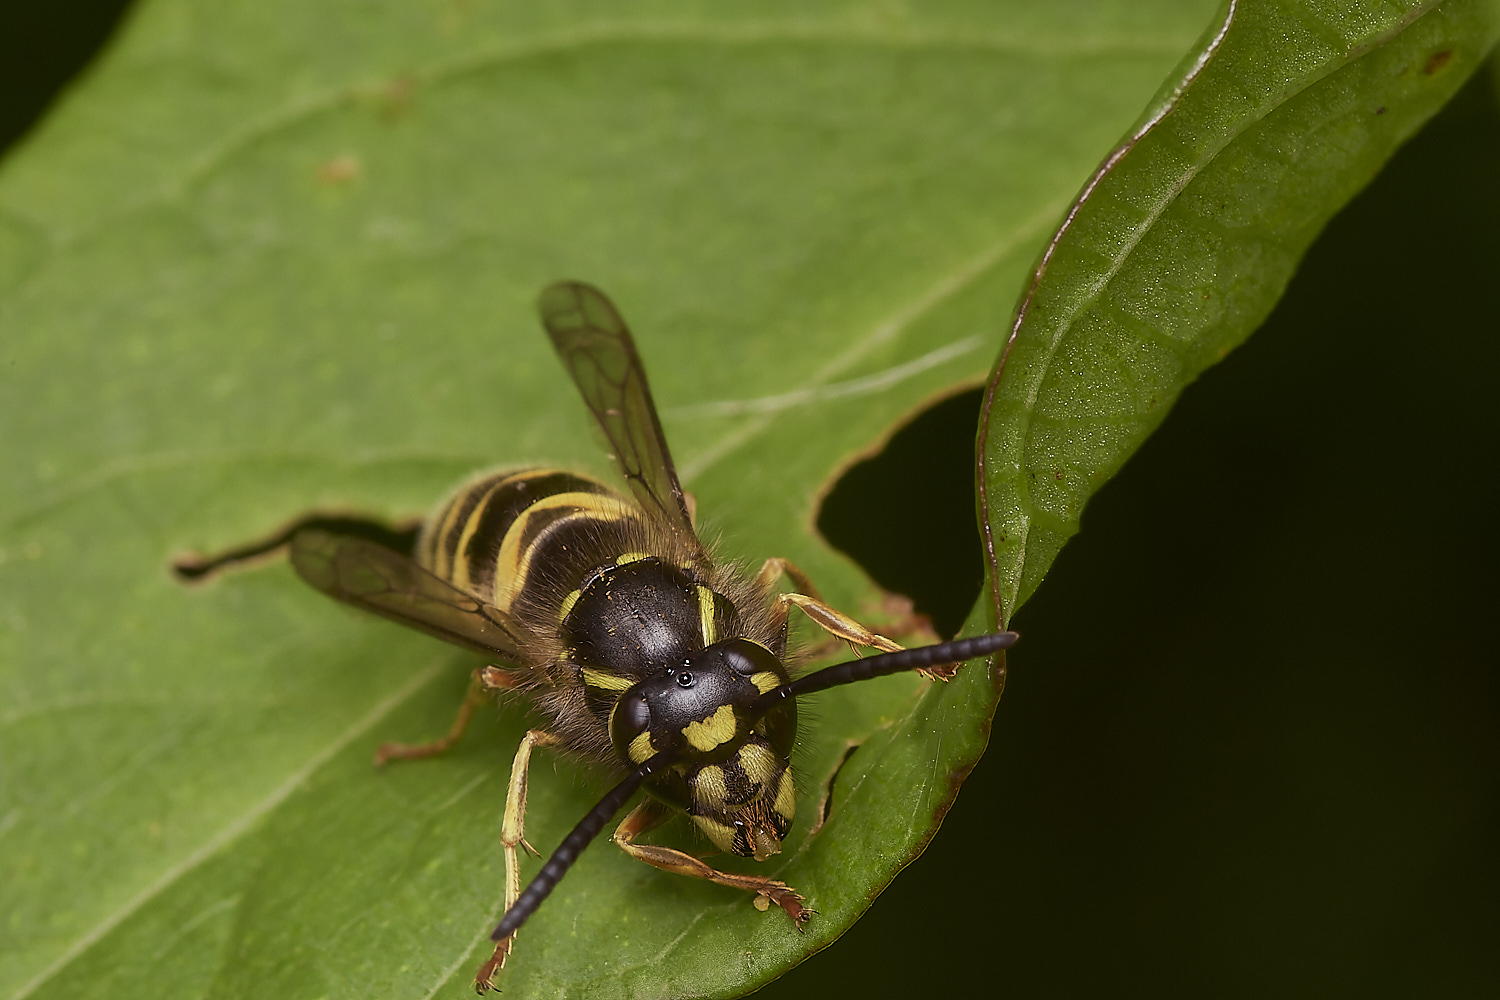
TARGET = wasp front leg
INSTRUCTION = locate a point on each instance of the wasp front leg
(806, 597)
(826, 617)
(829, 619)
(651, 813)
(484, 680)
(512, 837)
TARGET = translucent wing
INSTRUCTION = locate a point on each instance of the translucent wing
(375, 578)
(596, 348)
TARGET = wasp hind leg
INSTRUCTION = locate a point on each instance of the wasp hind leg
(651, 813)
(484, 680)
(512, 837)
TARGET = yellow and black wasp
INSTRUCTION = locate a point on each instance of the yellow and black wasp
(642, 651)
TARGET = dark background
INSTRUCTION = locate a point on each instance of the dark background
(1251, 742)
(43, 45)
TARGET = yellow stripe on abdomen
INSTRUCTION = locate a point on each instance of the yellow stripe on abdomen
(514, 561)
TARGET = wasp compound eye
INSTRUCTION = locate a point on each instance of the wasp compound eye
(630, 718)
(747, 658)
(739, 662)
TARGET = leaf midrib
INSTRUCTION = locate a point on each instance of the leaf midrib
(235, 829)
(1170, 195)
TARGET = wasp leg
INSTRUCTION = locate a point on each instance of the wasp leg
(806, 597)
(829, 619)
(905, 619)
(835, 622)
(651, 813)
(484, 680)
(776, 567)
(512, 836)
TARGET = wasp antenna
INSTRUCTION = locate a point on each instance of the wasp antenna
(954, 651)
(572, 846)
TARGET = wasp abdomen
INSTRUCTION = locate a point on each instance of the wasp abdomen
(461, 542)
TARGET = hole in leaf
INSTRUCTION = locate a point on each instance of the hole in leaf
(43, 48)
(907, 515)
(825, 808)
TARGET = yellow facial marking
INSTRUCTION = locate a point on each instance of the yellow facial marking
(786, 799)
(759, 763)
(709, 787)
(722, 834)
(713, 731)
(706, 616)
(641, 748)
(605, 680)
(765, 681)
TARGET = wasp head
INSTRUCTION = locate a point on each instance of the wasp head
(734, 778)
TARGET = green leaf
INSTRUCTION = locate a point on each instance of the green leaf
(274, 257)
(271, 257)
(1184, 239)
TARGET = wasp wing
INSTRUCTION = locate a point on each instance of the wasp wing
(597, 350)
(370, 576)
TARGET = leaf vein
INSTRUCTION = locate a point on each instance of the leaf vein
(231, 832)
(303, 107)
(882, 333)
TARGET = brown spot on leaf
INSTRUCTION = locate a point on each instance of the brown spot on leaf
(339, 170)
(1437, 61)
(395, 99)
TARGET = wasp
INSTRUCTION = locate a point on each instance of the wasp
(644, 652)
